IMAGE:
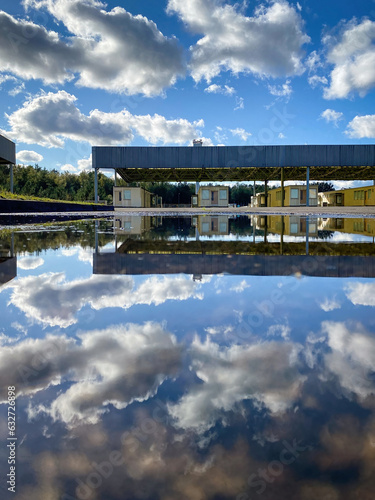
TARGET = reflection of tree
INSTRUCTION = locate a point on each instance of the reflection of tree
(37, 239)
(171, 227)
(324, 234)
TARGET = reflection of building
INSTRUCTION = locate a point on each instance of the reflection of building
(8, 269)
(132, 224)
(293, 225)
(362, 226)
(211, 196)
(353, 197)
(211, 225)
(294, 196)
(133, 197)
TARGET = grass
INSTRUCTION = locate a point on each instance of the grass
(7, 195)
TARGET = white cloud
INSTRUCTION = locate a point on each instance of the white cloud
(51, 300)
(96, 51)
(361, 127)
(218, 89)
(29, 157)
(68, 167)
(361, 293)
(115, 366)
(329, 304)
(240, 103)
(352, 358)
(353, 57)
(330, 115)
(316, 80)
(281, 136)
(50, 119)
(266, 373)
(284, 90)
(30, 262)
(241, 132)
(267, 44)
(313, 62)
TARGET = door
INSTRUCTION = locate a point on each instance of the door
(214, 197)
(303, 197)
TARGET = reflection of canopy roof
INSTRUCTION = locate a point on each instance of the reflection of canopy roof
(8, 269)
(245, 265)
(7, 151)
(238, 163)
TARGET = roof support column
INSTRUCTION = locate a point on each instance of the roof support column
(115, 178)
(11, 178)
(308, 186)
(282, 187)
(307, 235)
(96, 185)
(196, 187)
(266, 193)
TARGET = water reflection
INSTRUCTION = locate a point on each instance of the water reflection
(254, 379)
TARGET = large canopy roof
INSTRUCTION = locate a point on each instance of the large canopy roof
(7, 151)
(238, 163)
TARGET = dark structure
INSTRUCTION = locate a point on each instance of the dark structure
(8, 156)
(237, 163)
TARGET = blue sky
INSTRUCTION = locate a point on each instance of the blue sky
(78, 73)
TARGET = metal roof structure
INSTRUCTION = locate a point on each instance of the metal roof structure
(237, 163)
(7, 151)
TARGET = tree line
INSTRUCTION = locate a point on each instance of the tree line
(43, 183)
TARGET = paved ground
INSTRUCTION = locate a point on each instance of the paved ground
(313, 211)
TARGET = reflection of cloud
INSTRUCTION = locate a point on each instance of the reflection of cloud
(115, 366)
(30, 262)
(266, 373)
(240, 287)
(52, 301)
(361, 293)
(352, 358)
(329, 304)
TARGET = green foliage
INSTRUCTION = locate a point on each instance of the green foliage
(36, 182)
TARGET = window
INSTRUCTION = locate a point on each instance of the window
(205, 194)
(312, 193)
(212, 195)
(119, 196)
(294, 227)
(127, 225)
(127, 194)
(205, 227)
(223, 227)
(223, 194)
(294, 193)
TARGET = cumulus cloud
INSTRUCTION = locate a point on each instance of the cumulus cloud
(218, 89)
(241, 132)
(50, 119)
(111, 50)
(353, 57)
(267, 373)
(330, 115)
(267, 44)
(316, 80)
(284, 90)
(352, 357)
(30, 262)
(240, 287)
(362, 127)
(29, 157)
(115, 366)
(330, 304)
(361, 293)
(51, 300)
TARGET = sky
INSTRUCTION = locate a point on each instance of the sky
(80, 73)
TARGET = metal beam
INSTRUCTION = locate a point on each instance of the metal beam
(96, 185)
(308, 186)
(11, 178)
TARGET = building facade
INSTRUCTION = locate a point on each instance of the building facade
(133, 197)
(211, 196)
(294, 196)
(353, 197)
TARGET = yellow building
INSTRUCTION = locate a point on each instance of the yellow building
(211, 196)
(133, 197)
(353, 197)
(292, 225)
(362, 226)
(294, 196)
